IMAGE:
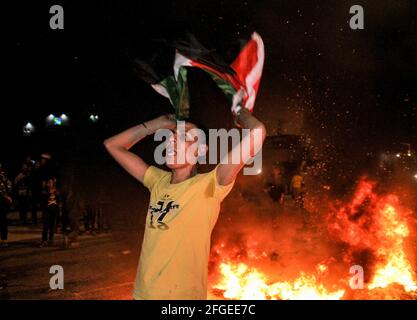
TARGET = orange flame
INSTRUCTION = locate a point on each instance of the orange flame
(396, 268)
(242, 282)
(369, 223)
(379, 224)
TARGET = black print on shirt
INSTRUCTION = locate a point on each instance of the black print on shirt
(160, 211)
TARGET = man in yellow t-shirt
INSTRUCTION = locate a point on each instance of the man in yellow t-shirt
(183, 208)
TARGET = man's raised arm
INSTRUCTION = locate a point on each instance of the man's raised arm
(118, 146)
(250, 145)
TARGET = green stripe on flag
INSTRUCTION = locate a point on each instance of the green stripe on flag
(179, 94)
(224, 85)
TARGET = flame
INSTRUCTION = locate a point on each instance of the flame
(397, 268)
(380, 225)
(373, 230)
(242, 282)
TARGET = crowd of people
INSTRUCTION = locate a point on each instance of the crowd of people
(37, 188)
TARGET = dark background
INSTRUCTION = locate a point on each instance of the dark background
(353, 92)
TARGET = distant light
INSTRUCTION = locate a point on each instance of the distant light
(28, 129)
(93, 117)
(415, 176)
(409, 154)
(57, 121)
(259, 171)
(398, 155)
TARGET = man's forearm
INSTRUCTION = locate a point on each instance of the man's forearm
(250, 145)
(127, 138)
(130, 137)
(247, 121)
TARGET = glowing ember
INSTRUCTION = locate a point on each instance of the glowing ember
(241, 282)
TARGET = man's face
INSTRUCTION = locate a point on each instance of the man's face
(50, 184)
(181, 148)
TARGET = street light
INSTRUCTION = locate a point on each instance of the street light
(28, 129)
(57, 121)
(94, 118)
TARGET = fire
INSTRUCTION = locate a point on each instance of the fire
(371, 229)
(397, 268)
(242, 282)
(380, 225)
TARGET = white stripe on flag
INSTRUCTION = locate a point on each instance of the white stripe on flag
(237, 99)
(180, 61)
(255, 74)
(161, 90)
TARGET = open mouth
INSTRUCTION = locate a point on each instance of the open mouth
(171, 152)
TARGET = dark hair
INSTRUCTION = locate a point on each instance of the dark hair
(200, 126)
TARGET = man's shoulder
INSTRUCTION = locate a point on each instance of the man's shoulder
(206, 175)
(158, 170)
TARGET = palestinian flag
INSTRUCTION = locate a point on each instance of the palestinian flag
(239, 81)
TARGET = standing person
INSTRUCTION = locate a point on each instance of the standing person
(22, 185)
(184, 206)
(50, 214)
(90, 216)
(5, 201)
(90, 213)
(35, 191)
(276, 186)
(297, 191)
(102, 211)
(76, 207)
(45, 174)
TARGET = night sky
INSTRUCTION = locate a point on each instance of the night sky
(354, 92)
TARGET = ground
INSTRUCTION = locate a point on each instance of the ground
(103, 267)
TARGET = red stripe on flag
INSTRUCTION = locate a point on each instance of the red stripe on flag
(248, 68)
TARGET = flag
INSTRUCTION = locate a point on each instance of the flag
(239, 81)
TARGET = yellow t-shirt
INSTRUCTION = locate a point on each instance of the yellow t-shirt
(173, 263)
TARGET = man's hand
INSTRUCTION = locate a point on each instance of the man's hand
(166, 121)
(119, 145)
